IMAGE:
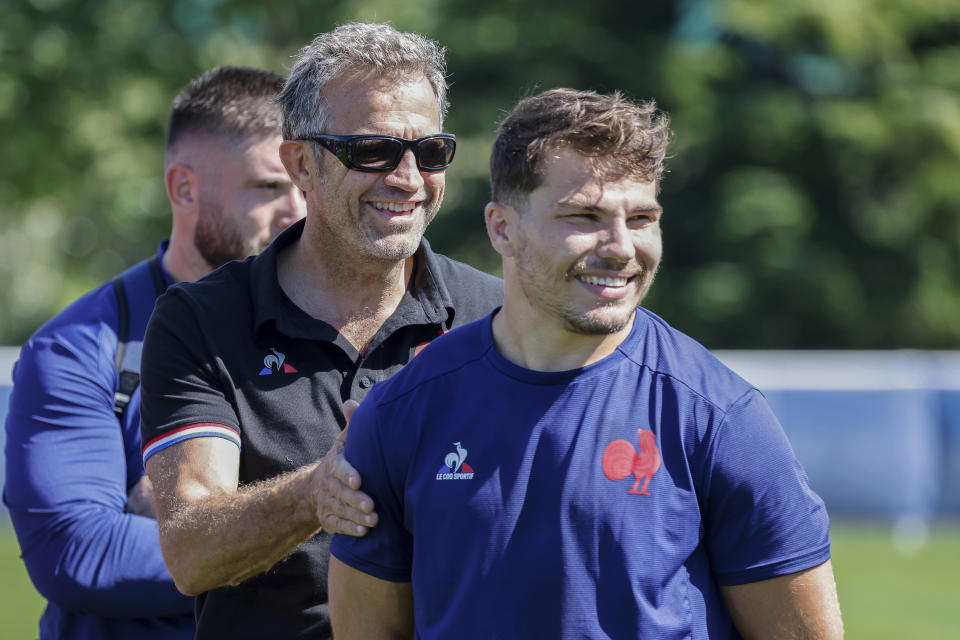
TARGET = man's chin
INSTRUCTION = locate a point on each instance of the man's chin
(600, 323)
(396, 247)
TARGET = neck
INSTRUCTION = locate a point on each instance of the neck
(183, 262)
(355, 297)
(542, 343)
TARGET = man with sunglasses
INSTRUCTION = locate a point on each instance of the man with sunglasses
(246, 373)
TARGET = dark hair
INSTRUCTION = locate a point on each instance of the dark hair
(230, 101)
(626, 139)
(356, 47)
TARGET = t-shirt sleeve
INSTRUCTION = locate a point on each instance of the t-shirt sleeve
(386, 552)
(183, 395)
(762, 518)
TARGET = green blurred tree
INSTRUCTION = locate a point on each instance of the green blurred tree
(812, 196)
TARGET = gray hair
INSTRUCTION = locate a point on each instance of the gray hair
(353, 47)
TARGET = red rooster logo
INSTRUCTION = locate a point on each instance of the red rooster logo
(620, 460)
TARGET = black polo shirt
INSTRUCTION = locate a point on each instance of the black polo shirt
(232, 356)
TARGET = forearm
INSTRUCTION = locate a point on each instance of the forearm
(66, 490)
(363, 607)
(214, 533)
(223, 538)
(797, 606)
(95, 560)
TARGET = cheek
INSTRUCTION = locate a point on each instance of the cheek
(650, 245)
(652, 255)
(436, 182)
(569, 244)
(339, 191)
(334, 178)
(254, 207)
(263, 217)
(556, 252)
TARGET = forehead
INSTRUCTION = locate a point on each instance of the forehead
(225, 156)
(572, 180)
(255, 151)
(262, 154)
(395, 104)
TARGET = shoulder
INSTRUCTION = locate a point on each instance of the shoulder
(87, 322)
(217, 294)
(443, 357)
(471, 293)
(678, 358)
(192, 318)
(78, 344)
(453, 272)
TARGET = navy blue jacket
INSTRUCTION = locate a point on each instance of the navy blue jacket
(69, 465)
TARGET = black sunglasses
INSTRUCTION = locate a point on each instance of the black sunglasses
(378, 153)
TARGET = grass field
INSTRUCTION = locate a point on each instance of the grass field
(888, 593)
(885, 592)
(20, 604)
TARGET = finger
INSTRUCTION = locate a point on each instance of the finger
(349, 407)
(336, 465)
(333, 524)
(354, 513)
(338, 482)
(341, 495)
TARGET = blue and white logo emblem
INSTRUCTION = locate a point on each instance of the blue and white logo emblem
(454, 467)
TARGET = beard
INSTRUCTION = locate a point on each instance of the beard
(219, 239)
(545, 289)
(394, 247)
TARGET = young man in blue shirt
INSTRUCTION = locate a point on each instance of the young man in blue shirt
(571, 466)
(81, 505)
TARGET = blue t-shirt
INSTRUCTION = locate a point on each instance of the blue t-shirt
(607, 501)
(70, 463)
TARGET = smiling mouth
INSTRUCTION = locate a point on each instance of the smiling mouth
(395, 207)
(605, 281)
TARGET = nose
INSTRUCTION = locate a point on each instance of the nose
(290, 208)
(617, 242)
(407, 175)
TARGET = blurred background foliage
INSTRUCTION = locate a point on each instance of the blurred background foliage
(812, 198)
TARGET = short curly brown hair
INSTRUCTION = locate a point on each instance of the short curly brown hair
(626, 139)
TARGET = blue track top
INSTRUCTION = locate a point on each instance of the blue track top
(70, 463)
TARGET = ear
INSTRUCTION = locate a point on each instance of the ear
(183, 187)
(297, 159)
(501, 220)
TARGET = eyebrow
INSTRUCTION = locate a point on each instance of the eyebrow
(592, 208)
(256, 182)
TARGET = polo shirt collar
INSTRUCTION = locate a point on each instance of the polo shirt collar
(426, 301)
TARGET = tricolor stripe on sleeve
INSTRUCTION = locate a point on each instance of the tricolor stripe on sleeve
(198, 430)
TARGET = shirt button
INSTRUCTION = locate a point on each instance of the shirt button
(366, 382)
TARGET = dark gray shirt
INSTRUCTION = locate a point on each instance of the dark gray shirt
(231, 356)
